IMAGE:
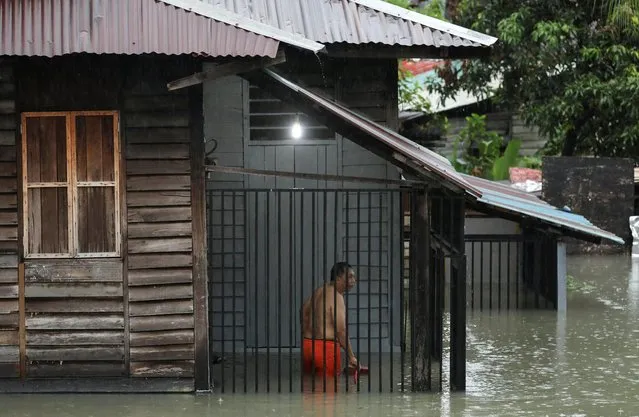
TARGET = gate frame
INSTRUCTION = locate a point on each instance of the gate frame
(438, 233)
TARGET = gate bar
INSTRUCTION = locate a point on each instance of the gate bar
(303, 175)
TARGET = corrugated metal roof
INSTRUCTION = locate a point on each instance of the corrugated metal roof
(58, 27)
(356, 22)
(487, 192)
(522, 203)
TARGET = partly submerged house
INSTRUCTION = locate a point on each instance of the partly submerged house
(124, 267)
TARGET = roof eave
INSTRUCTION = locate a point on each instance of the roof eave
(397, 51)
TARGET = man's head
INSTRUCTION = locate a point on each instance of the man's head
(343, 276)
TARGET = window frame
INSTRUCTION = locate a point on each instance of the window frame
(72, 185)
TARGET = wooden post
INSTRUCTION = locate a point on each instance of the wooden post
(120, 160)
(458, 303)
(421, 307)
(198, 206)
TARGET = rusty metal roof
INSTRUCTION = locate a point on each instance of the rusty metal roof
(355, 22)
(400, 148)
(57, 27)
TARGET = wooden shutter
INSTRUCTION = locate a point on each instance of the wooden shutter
(95, 171)
(46, 187)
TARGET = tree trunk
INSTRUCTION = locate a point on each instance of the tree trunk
(570, 143)
(451, 9)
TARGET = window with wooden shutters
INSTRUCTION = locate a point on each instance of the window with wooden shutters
(70, 180)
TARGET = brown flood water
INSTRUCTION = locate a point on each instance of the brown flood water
(524, 363)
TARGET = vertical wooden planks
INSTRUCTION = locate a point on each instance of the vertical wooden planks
(45, 194)
(98, 210)
(9, 338)
(159, 223)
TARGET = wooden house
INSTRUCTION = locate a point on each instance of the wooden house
(110, 114)
(102, 187)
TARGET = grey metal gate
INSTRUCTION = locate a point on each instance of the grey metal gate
(270, 248)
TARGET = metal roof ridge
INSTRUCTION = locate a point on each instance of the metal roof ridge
(233, 19)
(391, 9)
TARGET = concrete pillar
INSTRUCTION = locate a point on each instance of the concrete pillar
(562, 302)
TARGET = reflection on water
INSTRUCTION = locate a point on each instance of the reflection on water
(533, 363)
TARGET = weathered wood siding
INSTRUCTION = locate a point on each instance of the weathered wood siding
(531, 140)
(74, 318)
(158, 187)
(504, 123)
(499, 123)
(74, 308)
(368, 87)
(127, 316)
(9, 338)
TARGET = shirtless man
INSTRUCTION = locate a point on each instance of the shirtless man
(326, 333)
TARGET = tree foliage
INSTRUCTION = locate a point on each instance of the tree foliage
(569, 67)
(410, 90)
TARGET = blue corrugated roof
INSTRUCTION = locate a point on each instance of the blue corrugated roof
(522, 203)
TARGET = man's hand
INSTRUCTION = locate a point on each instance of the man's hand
(353, 363)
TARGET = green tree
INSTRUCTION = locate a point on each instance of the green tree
(410, 91)
(434, 8)
(568, 67)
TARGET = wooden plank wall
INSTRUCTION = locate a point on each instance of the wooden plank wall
(74, 309)
(531, 140)
(365, 90)
(496, 122)
(9, 339)
(160, 289)
(371, 90)
(74, 318)
(505, 124)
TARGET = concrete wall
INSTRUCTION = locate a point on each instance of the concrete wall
(600, 189)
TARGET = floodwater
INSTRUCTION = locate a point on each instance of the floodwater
(524, 363)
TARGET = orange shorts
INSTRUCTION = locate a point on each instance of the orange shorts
(326, 358)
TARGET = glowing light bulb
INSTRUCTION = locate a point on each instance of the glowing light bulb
(296, 130)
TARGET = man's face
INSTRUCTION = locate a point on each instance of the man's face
(349, 277)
